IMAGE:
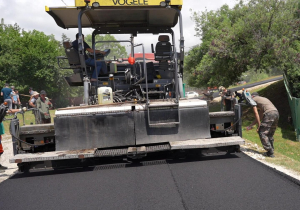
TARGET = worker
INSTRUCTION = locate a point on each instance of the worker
(5, 92)
(3, 112)
(90, 61)
(33, 98)
(32, 102)
(1, 147)
(43, 104)
(267, 120)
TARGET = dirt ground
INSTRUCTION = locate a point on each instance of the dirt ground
(8, 152)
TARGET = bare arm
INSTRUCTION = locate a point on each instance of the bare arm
(257, 118)
(31, 104)
(96, 51)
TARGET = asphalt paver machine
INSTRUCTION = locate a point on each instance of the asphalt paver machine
(138, 107)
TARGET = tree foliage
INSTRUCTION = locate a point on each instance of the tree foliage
(254, 35)
(28, 59)
(116, 49)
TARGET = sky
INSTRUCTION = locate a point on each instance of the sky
(31, 15)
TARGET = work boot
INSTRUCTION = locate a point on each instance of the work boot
(269, 154)
(2, 167)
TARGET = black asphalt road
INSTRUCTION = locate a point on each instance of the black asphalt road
(216, 94)
(211, 182)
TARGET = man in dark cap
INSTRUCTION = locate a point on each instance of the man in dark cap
(267, 120)
(43, 104)
(31, 91)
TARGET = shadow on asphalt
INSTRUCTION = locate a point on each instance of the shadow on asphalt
(108, 164)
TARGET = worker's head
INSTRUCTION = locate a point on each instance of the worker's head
(30, 89)
(35, 94)
(43, 94)
(12, 87)
(16, 91)
(77, 36)
(222, 90)
(254, 94)
(6, 84)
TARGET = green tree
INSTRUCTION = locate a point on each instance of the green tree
(257, 35)
(29, 59)
(116, 49)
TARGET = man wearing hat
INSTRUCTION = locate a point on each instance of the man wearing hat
(267, 120)
(33, 98)
(43, 104)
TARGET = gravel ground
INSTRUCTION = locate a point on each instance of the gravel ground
(257, 154)
(8, 152)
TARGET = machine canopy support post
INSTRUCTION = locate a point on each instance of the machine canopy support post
(181, 49)
(86, 83)
(80, 40)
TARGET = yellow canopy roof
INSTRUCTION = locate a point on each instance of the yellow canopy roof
(116, 13)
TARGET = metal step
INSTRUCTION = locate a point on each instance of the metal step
(111, 152)
(126, 151)
(158, 148)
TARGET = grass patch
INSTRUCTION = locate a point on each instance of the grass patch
(287, 149)
(28, 118)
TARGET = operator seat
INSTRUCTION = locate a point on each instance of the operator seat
(163, 51)
(73, 57)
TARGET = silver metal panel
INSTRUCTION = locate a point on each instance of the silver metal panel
(88, 110)
(183, 103)
(194, 124)
(94, 131)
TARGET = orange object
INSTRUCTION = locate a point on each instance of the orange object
(131, 60)
(1, 148)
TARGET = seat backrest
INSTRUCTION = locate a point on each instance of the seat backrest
(71, 53)
(163, 47)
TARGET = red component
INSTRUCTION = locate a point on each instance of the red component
(131, 60)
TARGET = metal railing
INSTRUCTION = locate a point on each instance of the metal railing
(295, 108)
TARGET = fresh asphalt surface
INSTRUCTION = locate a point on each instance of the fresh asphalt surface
(215, 181)
(212, 182)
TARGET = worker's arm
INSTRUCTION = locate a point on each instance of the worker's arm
(96, 51)
(12, 111)
(1, 93)
(256, 120)
(31, 104)
(50, 104)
